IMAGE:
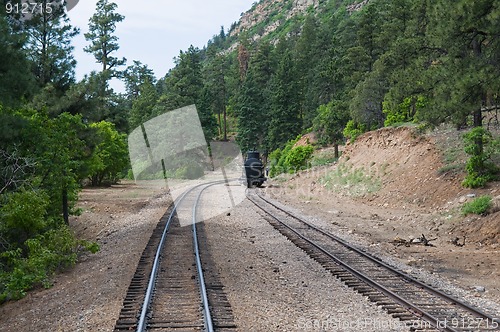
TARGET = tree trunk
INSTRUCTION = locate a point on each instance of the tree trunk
(225, 121)
(65, 205)
(220, 123)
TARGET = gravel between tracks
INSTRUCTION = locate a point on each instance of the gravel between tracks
(274, 286)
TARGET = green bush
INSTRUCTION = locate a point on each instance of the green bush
(352, 130)
(34, 244)
(46, 254)
(479, 206)
(110, 157)
(481, 147)
(23, 215)
(404, 112)
(291, 159)
(298, 156)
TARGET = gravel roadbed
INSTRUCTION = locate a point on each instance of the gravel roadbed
(274, 286)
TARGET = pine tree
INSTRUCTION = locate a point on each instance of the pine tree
(253, 104)
(142, 105)
(306, 61)
(104, 45)
(215, 90)
(135, 76)
(16, 79)
(465, 73)
(103, 41)
(285, 118)
(49, 47)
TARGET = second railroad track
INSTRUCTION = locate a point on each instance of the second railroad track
(417, 305)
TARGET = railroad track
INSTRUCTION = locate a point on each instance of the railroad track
(169, 291)
(418, 306)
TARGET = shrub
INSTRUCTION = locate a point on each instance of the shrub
(480, 169)
(298, 156)
(352, 130)
(479, 206)
(34, 245)
(23, 215)
(110, 156)
(290, 159)
(46, 254)
(404, 112)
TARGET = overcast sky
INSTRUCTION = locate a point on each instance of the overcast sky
(154, 31)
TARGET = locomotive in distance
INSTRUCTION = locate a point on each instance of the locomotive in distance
(254, 169)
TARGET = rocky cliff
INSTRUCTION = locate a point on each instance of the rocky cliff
(271, 14)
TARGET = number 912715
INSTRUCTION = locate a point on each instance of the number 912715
(29, 8)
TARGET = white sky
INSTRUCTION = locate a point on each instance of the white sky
(154, 31)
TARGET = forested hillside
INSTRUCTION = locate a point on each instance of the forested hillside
(288, 67)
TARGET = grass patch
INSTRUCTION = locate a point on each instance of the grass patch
(452, 169)
(479, 206)
(322, 159)
(354, 182)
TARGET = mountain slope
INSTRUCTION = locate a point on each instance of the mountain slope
(270, 18)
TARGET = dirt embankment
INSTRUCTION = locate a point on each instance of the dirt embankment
(408, 166)
(411, 169)
(413, 176)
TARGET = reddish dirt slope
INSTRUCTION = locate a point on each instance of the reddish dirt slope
(408, 165)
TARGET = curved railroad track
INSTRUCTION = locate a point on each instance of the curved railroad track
(169, 291)
(417, 305)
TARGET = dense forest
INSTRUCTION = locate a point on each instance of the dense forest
(334, 69)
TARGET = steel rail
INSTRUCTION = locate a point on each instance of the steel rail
(361, 276)
(376, 260)
(141, 325)
(408, 305)
(203, 290)
(142, 322)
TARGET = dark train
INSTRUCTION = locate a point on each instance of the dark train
(254, 169)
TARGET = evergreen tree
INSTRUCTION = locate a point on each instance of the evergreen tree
(135, 76)
(329, 124)
(104, 45)
(103, 41)
(215, 90)
(285, 118)
(49, 47)
(465, 74)
(184, 86)
(307, 54)
(143, 105)
(16, 79)
(407, 61)
(253, 109)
